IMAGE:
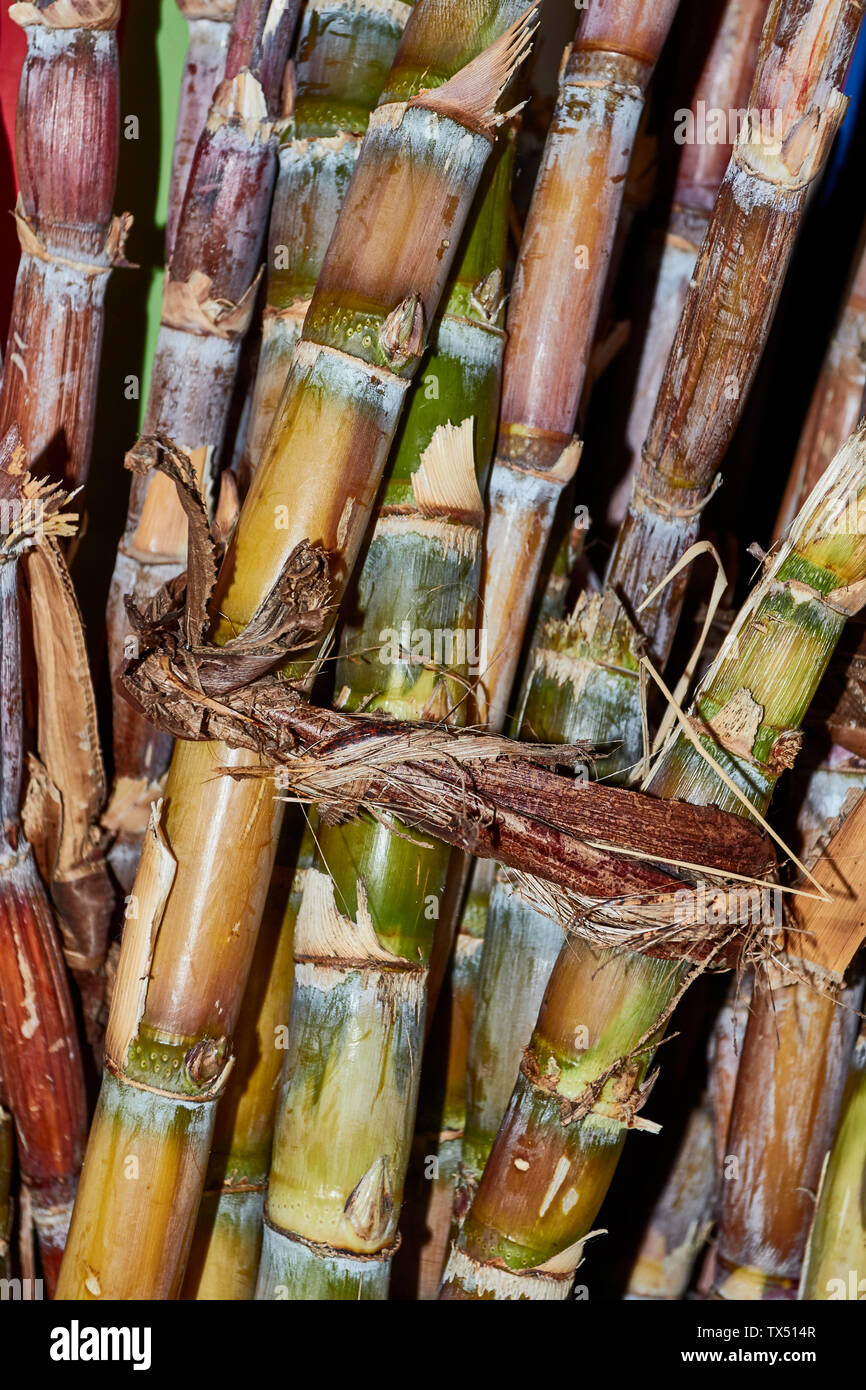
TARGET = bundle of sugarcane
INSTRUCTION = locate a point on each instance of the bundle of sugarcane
(209, 295)
(43, 1080)
(585, 678)
(66, 788)
(342, 640)
(67, 132)
(363, 338)
(582, 1081)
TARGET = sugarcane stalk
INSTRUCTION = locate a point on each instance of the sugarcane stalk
(796, 1052)
(789, 1089)
(738, 278)
(209, 24)
(224, 1259)
(723, 85)
(559, 1142)
(67, 131)
(343, 52)
(347, 1118)
(363, 337)
(576, 683)
(558, 283)
(682, 1215)
(209, 294)
(438, 1140)
(43, 1080)
(442, 1110)
(835, 1261)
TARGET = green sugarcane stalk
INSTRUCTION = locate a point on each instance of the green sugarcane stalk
(582, 685)
(372, 898)
(581, 1079)
(438, 1146)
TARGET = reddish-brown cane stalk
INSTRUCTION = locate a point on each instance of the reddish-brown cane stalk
(67, 130)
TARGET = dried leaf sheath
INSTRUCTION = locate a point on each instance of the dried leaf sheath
(523, 1219)
(43, 1080)
(67, 130)
(66, 791)
(208, 298)
(413, 188)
